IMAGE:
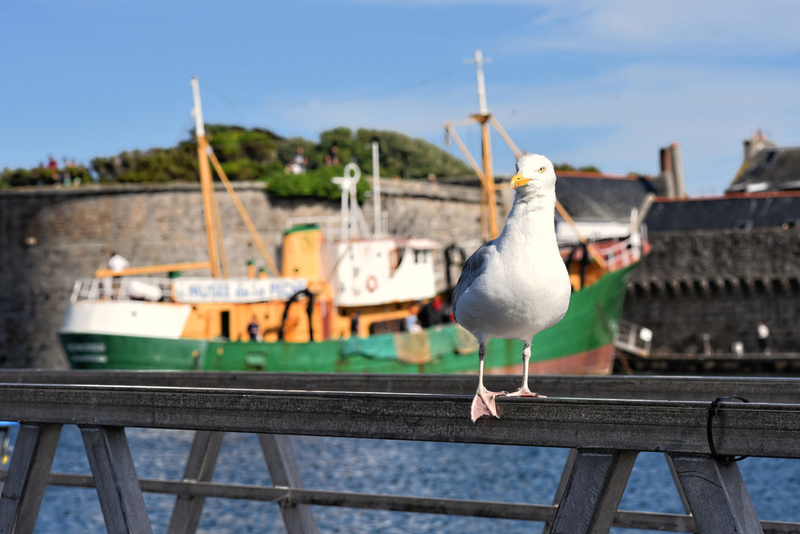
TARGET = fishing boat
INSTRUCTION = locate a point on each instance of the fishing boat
(195, 324)
(340, 302)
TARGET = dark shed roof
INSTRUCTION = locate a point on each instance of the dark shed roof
(600, 197)
(730, 212)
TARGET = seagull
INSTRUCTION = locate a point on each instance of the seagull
(516, 285)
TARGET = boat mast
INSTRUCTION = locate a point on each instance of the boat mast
(479, 61)
(377, 230)
(488, 189)
(483, 117)
(484, 172)
(205, 155)
(206, 183)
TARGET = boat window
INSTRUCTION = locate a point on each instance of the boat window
(395, 257)
(225, 324)
(385, 327)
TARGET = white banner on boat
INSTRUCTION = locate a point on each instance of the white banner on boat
(235, 290)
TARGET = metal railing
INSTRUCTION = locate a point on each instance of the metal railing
(606, 435)
(624, 252)
(633, 338)
(123, 288)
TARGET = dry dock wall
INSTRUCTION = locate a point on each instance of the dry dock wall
(720, 283)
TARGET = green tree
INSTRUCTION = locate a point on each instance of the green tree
(340, 137)
(42, 176)
(232, 143)
(568, 167)
(259, 154)
(401, 155)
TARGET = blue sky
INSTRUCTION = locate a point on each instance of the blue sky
(590, 83)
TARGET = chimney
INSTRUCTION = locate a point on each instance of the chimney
(677, 170)
(754, 145)
(666, 176)
(749, 149)
(671, 177)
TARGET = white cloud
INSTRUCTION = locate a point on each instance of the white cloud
(737, 27)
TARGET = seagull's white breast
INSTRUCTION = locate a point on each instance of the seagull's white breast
(523, 289)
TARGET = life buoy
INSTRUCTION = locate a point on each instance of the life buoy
(372, 283)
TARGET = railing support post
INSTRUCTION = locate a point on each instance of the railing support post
(115, 477)
(717, 495)
(199, 468)
(678, 486)
(562, 484)
(23, 490)
(593, 493)
(283, 471)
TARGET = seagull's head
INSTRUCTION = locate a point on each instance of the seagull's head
(535, 176)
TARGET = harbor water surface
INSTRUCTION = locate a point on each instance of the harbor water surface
(447, 470)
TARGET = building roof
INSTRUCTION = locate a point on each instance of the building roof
(601, 197)
(770, 169)
(737, 211)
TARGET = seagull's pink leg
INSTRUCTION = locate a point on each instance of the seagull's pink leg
(524, 391)
(483, 403)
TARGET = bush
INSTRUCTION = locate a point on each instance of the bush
(41, 176)
(20, 177)
(314, 183)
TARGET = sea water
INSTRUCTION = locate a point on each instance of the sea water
(446, 470)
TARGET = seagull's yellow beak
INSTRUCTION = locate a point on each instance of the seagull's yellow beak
(517, 180)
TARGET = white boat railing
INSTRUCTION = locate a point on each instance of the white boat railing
(625, 252)
(633, 338)
(122, 288)
(622, 254)
(86, 289)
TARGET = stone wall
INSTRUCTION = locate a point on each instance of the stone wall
(50, 237)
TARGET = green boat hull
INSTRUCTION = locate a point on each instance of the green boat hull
(581, 343)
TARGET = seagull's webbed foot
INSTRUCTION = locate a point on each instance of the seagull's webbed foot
(525, 392)
(483, 403)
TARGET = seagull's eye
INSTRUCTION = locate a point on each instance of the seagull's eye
(541, 169)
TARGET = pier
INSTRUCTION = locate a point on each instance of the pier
(701, 425)
(718, 363)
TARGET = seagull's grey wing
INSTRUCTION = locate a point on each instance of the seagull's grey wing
(472, 269)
